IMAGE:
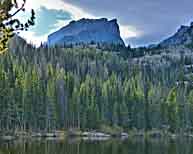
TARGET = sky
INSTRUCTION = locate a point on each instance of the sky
(142, 22)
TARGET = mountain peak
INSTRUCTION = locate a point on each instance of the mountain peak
(183, 36)
(86, 31)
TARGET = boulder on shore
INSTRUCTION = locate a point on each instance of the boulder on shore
(95, 134)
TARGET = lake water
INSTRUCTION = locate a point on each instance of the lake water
(77, 146)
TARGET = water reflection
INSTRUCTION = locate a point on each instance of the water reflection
(78, 146)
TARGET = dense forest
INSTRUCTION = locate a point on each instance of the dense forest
(87, 88)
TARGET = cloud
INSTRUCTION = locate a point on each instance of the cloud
(51, 15)
(153, 19)
(54, 14)
(76, 12)
(45, 25)
(129, 32)
(33, 39)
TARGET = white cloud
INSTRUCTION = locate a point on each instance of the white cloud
(128, 32)
(31, 38)
(77, 13)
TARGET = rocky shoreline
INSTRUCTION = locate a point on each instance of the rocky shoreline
(92, 135)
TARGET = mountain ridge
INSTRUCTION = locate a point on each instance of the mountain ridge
(86, 31)
(183, 36)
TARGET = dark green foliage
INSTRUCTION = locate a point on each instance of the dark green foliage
(56, 88)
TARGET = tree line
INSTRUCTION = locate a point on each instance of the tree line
(49, 88)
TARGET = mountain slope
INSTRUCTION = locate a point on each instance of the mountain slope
(183, 36)
(87, 31)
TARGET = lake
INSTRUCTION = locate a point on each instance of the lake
(78, 146)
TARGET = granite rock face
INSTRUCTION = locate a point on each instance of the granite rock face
(183, 36)
(87, 31)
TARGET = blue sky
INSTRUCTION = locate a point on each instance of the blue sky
(47, 20)
(141, 22)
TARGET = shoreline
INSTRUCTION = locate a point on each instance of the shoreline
(93, 135)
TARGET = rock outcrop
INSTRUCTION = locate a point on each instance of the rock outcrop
(86, 31)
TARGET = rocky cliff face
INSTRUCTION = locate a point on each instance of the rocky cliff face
(87, 31)
(183, 36)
